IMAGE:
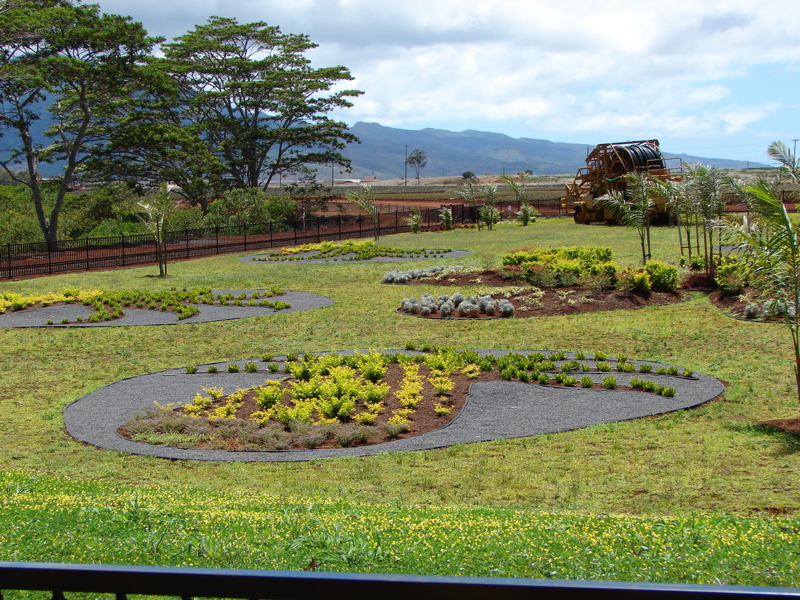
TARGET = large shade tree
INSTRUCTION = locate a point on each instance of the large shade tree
(249, 92)
(78, 69)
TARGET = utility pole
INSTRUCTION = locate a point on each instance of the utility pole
(405, 168)
(794, 152)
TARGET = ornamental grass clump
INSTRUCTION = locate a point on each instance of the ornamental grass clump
(610, 382)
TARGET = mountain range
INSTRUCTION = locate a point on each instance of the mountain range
(382, 153)
(383, 150)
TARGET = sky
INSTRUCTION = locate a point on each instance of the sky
(710, 78)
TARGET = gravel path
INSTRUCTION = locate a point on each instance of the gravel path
(37, 317)
(494, 410)
(349, 259)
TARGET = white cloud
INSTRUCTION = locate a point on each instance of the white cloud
(549, 66)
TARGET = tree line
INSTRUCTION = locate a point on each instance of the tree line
(225, 106)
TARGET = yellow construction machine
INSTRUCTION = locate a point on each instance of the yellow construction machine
(605, 171)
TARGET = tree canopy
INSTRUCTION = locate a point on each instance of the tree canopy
(227, 106)
(418, 159)
(250, 94)
(74, 67)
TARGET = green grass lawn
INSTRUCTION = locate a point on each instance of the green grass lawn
(696, 489)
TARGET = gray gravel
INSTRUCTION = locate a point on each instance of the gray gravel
(37, 317)
(348, 259)
(494, 410)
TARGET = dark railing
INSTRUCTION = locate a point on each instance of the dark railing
(41, 258)
(186, 583)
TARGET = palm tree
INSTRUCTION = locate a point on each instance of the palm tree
(789, 164)
(470, 196)
(156, 217)
(520, 189)
(633, 208)
(365, 200)
(771, 251)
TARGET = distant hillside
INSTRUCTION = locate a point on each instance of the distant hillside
(382, 153)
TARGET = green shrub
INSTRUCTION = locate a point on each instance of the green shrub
(610, 382)
(663, 277)
(569, 381)
(268, 395)
(634, 281)
(731, 278)
(695, 262)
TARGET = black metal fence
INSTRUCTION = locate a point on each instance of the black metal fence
(186, 583)
(41, 258)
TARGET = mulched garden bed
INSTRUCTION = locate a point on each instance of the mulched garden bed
(736, 305)
(424, 420)
(576, 299)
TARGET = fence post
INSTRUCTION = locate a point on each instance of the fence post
(87, 254)
(318, 237)
(270, 234)
(340, 226)
(216, 238)
(245, 237)
(122, 235)
(187, 242)
(49, 262)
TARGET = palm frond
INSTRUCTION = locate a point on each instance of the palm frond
(779, 152)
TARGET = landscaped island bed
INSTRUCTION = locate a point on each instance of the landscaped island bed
(86, 308)
(539, 282)
(350, 251)
(571, 391)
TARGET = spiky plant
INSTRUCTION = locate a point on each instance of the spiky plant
(771, 249)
